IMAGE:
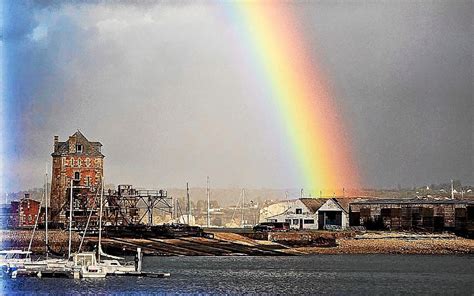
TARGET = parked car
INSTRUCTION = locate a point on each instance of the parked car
(272, 226)
(262, 228)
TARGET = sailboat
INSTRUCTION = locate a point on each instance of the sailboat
(12, 260)
(113, 265)
(91, 265)
(83, 264)
(59, 264)
(87, 266)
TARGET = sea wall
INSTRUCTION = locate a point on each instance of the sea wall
(301, 238)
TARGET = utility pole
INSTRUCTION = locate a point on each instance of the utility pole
(189, 203)
(301, 193)
(208, 203)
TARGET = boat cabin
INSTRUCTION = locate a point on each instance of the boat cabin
(85, 259)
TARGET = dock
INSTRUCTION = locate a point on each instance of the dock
(143, 274)
(69, 274)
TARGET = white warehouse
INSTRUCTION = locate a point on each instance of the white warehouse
(309, 213)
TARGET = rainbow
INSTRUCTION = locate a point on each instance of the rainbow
(298, 91)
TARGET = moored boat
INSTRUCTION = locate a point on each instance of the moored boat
(14, 257)
(87, 263)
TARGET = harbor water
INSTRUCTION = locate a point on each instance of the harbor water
(295, 275)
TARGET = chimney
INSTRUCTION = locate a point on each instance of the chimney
(56, 140)
(72, 144)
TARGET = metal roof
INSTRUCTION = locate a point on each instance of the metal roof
(413, 201)
(313, 204)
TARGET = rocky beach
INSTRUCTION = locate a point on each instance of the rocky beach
(395, 243)
(278, 243)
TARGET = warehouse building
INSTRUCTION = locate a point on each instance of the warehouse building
(309, 213)
(419, 214)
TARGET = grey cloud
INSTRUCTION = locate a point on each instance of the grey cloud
(168, 93)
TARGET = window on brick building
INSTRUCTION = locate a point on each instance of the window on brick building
(79, 148)
(77, 175)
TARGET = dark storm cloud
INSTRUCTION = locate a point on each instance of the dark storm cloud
(403, 72)
(160, 84)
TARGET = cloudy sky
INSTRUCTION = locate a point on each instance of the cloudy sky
(165, 87)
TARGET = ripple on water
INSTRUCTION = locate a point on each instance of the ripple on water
(295, 275)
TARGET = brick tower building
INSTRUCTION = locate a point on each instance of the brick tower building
(78, 160)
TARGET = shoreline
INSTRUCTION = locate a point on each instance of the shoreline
(275, 244)
(393, 246)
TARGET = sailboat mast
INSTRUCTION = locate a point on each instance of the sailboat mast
(208, 202)
(100, 218)
(46, 197)
(70, 221)
(242, 208)
(36, 223)
(189, 203)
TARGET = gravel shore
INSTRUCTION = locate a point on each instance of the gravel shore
(346, 242)
(387, 243)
